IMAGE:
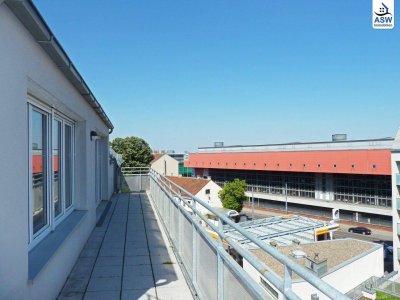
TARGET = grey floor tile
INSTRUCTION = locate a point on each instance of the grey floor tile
(136, 244)
(89, 253)
(75, 285)
(163, 259)
(109, 261)
(144, 294)
(137, 282)
(107, 271)
(159, 251)
(93, 244)
(111, 252)
(104, 284)
(70, 296)
(137, 251)
(137, 260)
(93, 239)
(142, 270)
(103, 295)
(85, 261)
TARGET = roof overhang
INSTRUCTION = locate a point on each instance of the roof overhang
(30, 17)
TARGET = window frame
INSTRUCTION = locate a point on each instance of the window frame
(52, 221)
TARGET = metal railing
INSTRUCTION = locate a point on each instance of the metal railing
(212, 271)
(135, 179)
(135, 171)
(373, 284)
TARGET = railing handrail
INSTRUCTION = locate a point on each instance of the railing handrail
(135, 170)
(307, 275)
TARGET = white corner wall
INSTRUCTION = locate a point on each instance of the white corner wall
(166, 166)
(354, 272)
(213, 198)
(26, 68)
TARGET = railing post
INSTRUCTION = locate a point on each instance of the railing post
(194, 247)
(220, 267)
(287, 280)
(140, 178)
(180, 231)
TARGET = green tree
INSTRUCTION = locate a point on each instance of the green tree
(135, 151)
(233, 194)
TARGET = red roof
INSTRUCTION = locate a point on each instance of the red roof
(156, 156)
(192, 185)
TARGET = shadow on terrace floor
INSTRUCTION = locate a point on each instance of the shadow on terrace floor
(127, 258)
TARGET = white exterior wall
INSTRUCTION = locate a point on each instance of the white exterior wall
(212, 198)
(26, 68)
(354, 274)
(166, 166)
(343, 279)
(395, 196)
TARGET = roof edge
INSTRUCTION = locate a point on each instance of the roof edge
(302, 143)
(30, 17)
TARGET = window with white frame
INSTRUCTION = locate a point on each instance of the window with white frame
(51, 151)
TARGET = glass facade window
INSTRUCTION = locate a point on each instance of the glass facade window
(353, 188)
(51, 170)
(363, 189)
(298, 184)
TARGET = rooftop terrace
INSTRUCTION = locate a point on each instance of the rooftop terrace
(127, 257)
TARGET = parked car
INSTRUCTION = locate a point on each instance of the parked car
(360, 230)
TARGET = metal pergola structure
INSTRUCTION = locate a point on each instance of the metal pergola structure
(282, 229)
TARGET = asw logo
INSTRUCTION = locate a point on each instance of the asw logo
(383, 14)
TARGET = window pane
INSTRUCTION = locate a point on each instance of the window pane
(39, 207)
(68, 166)
(57, 167)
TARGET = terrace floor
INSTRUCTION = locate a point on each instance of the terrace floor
(127, 257)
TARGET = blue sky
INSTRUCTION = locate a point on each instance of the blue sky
(183, 74)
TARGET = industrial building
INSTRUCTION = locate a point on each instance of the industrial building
(354, 176)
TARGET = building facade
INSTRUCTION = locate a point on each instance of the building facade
(204, 189)
(55, 157)
(181, 157)
(396, 200)
(165, 165)
(354, 176)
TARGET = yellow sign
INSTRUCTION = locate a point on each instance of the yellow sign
(322, 230)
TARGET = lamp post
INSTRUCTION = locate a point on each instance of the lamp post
(286, 197)
(252, 201)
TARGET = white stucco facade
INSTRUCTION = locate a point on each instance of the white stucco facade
(166, 166)
(396, 200)
(29, 77)
(209, 194)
